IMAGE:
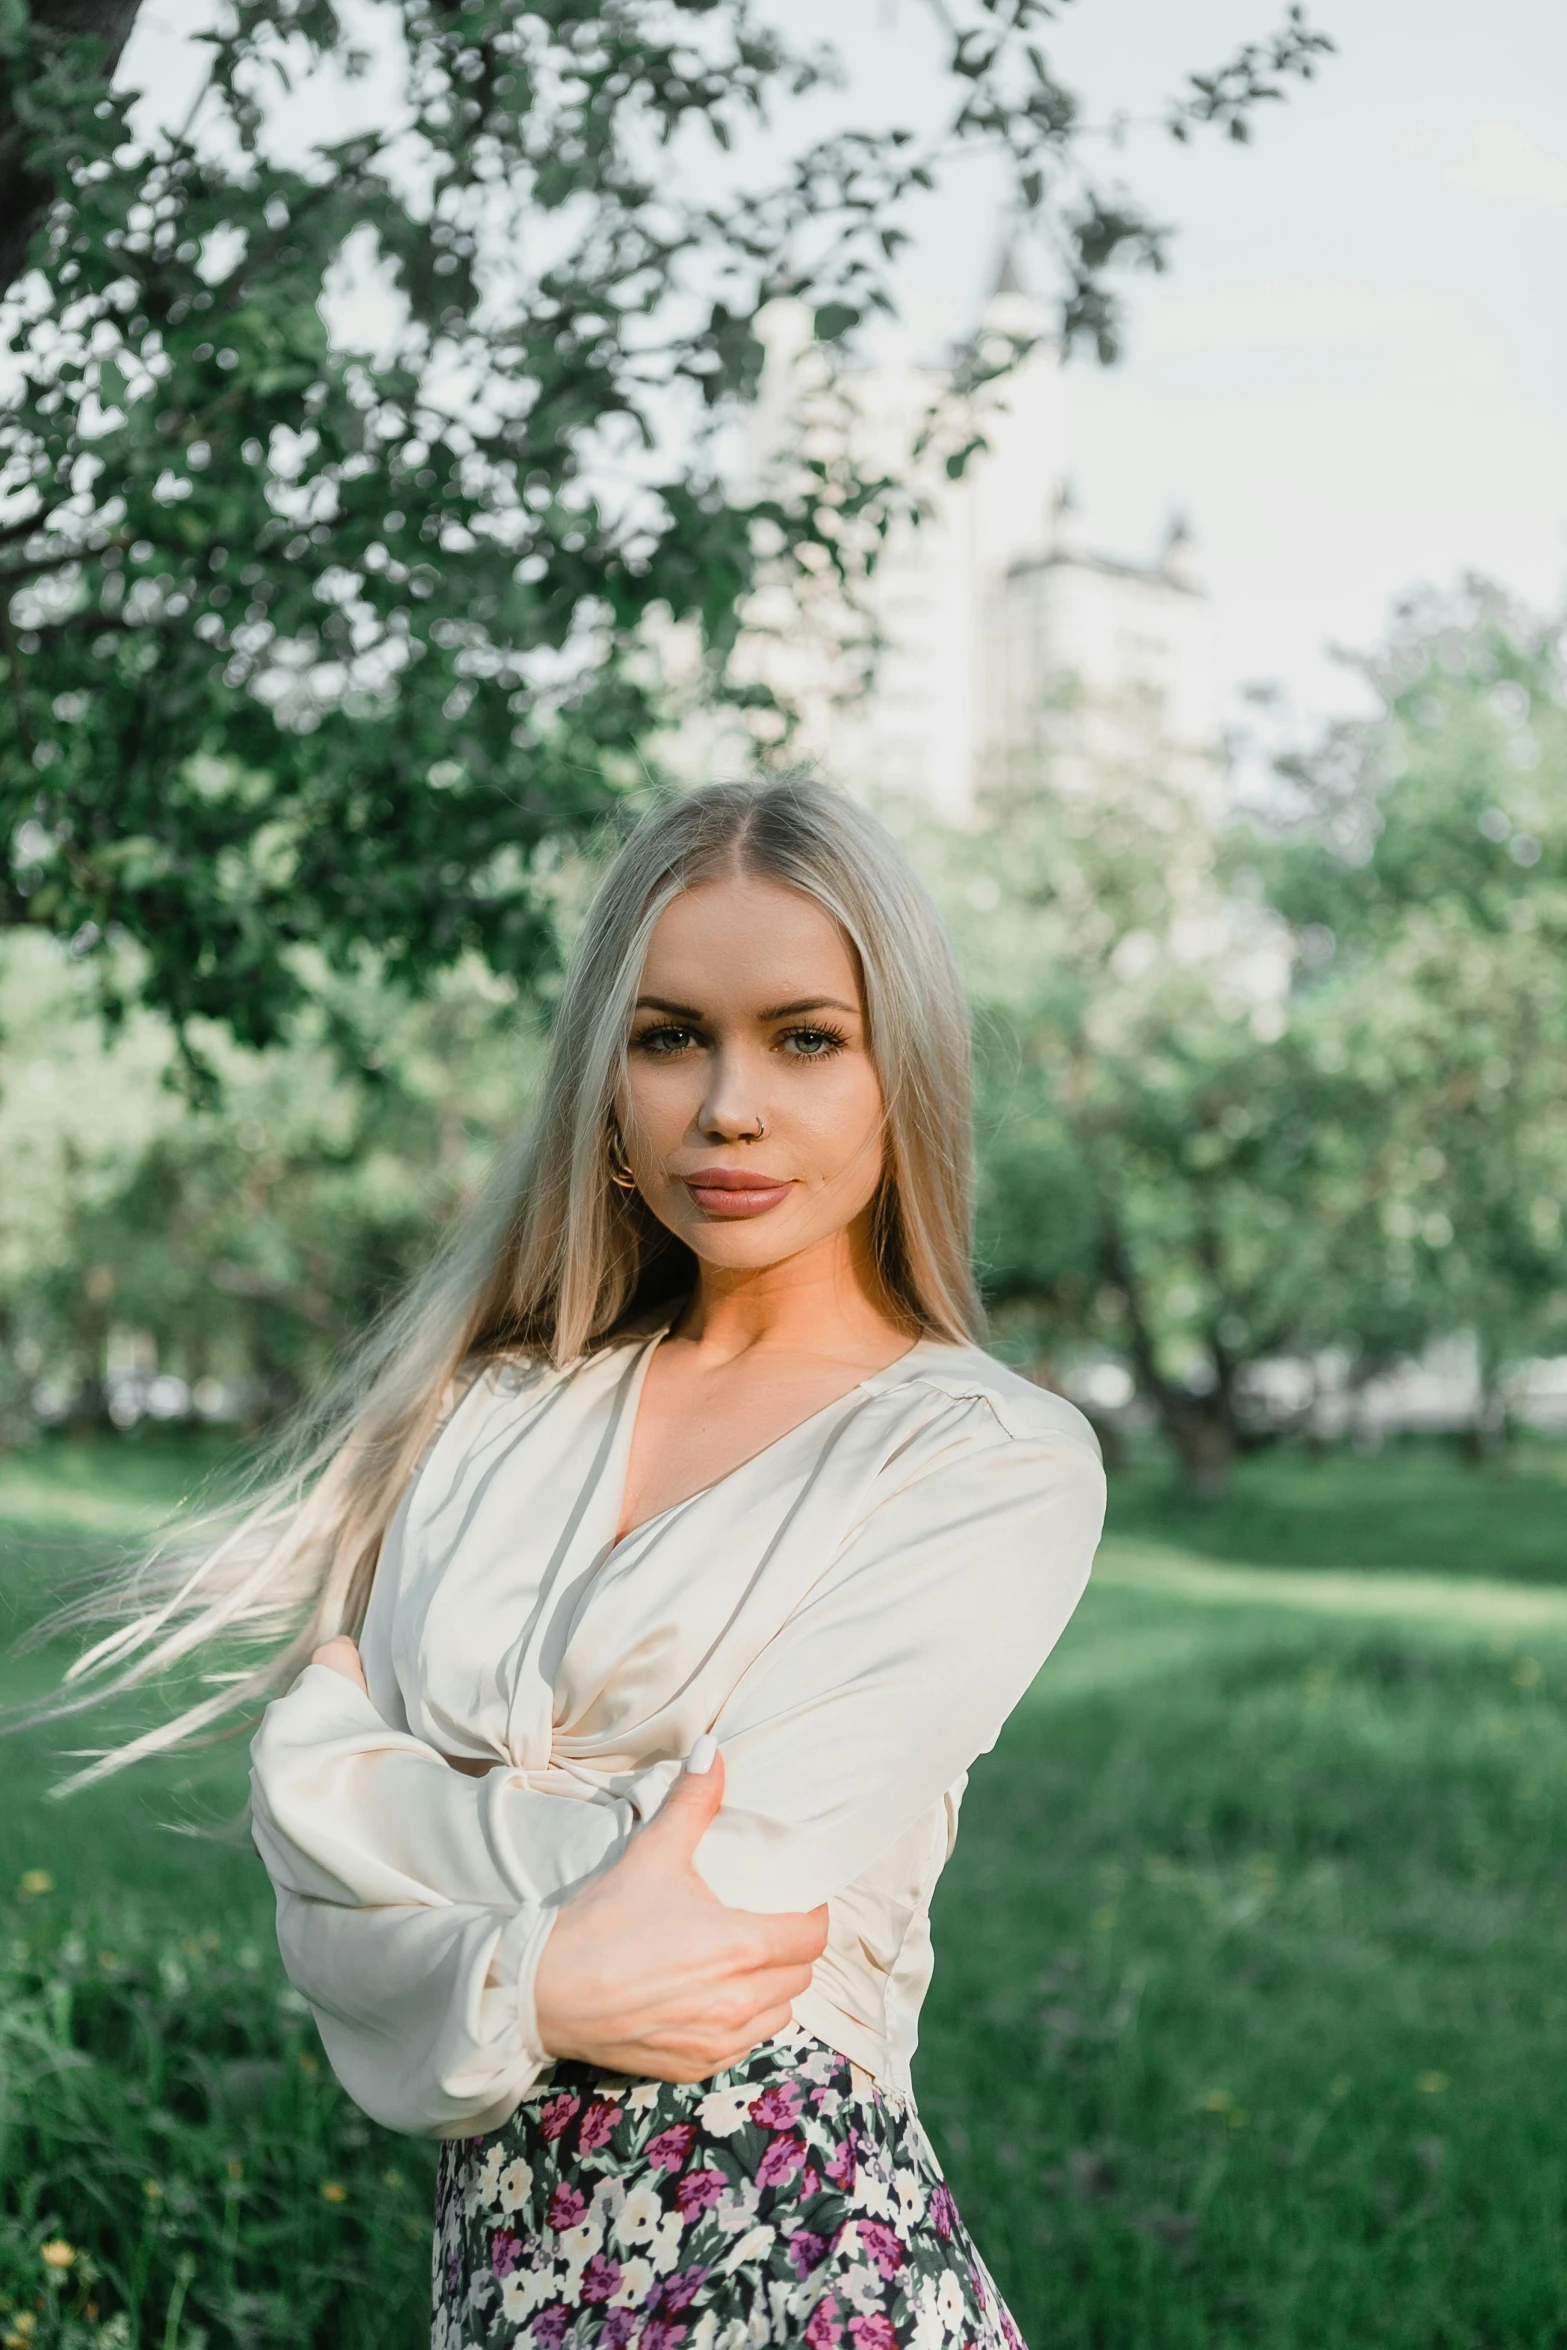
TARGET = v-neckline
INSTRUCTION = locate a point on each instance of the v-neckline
(619, 1467)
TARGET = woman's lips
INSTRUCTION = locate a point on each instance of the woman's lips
(726, 1192)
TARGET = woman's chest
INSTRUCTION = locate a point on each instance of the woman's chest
(695, 1427)
(522, 1629)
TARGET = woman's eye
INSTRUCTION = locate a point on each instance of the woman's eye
(662, 1041)
(813, 1044)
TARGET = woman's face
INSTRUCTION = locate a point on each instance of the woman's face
(751, 1110)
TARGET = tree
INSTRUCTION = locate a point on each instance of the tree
(226, 1250)
(1426, 881)
(1158, 1140)
(1271, 1087)
(314, 644)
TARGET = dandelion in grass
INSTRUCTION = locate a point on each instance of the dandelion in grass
(34, 1882)
(57, 2254)
(333, 2191)
(151, 2189)
(1432, 2084)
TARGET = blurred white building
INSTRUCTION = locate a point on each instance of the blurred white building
(1002, 633)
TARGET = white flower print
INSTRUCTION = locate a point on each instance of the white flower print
(738, 2206)
(639, 2214)
(723, 2110)
(826, 2202)
(861, 2287)
(754, 2245)
(522, 2293)
(636, 2283)
(872, 2195)
(511, 2189)
(668, 2243)
(579, 2245)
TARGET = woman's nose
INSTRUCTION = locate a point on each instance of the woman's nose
(732, 1105)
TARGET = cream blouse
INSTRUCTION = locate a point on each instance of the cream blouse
(853, 1613)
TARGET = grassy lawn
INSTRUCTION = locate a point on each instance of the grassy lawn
(1414, 1505)
(1249, 2016)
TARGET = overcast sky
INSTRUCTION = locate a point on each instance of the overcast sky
(1354, 378)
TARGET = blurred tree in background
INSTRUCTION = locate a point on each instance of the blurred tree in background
(1426, 883)
(1152, 1124)
(164, 1258)
(1265, 1089)
(341, 479)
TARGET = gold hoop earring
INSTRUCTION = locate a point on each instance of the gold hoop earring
(619, 1167)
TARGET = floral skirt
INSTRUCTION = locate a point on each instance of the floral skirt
(778, 2202)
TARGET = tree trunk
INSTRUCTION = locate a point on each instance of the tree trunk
(25, 196)
(1485, 1441)
(1200, 1428)
(1202, 1431)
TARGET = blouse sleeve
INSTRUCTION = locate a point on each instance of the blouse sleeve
(414, 1903)
(879, 1692)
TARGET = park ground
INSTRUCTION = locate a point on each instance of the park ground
(1250, 2016)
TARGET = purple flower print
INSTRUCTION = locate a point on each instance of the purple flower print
(777, 2108)
(601, 2280)
(795, 2179)
(697, 2192)
(505, 2252)
(943, 2210)
(568, 2205)
(822, 2329)
(841, 2168)
(781, 2158)
(678, 2292)
(881, 2244)
(806, 2249)
(598, 2125)
(669, 2149)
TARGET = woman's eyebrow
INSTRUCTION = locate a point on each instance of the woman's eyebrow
(811, 1003)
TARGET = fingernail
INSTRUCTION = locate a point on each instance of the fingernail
(700, 1760)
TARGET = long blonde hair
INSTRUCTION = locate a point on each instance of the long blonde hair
(554, 1259)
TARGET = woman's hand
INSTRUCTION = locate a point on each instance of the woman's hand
(341, 1656)
(646, 1972)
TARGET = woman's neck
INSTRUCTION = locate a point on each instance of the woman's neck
(825, 1302)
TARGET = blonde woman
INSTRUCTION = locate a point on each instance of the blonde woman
(694, 1548)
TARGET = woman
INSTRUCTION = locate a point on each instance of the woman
(695, 1549)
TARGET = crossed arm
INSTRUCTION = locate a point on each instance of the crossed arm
(455, 1933)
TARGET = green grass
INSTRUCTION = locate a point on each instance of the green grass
(1250, 2009)
(1413, 1505)
(1250, 2018)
